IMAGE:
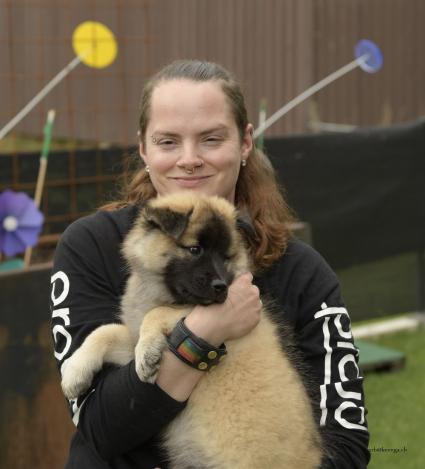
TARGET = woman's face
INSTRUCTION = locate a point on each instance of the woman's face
(192, 141)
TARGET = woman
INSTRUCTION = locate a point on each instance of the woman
(194, 134)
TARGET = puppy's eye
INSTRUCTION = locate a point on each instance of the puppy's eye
(195, 250)
(228, 258)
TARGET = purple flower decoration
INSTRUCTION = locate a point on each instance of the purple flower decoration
(20, 222)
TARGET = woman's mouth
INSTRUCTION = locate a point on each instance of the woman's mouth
(192, 181)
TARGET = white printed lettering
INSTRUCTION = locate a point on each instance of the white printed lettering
(344, 422)
(347, 394)
(326, 344)
(342, 333)
(333, 315)
(323, 408)
(62, 313)
(341, 366)
(327, 311)
(64, 278)
(59, 329)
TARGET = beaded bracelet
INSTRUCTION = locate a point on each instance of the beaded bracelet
(193, 350)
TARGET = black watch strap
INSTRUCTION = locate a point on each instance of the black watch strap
(193, 350)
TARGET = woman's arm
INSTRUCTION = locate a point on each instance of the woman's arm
(308, 292)
(324, 333)
(332, 359)
(119, 412)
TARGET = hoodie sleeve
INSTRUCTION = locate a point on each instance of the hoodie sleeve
(310, 295)
(119, 412)
(328, 345)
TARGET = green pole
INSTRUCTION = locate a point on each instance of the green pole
(47, 131)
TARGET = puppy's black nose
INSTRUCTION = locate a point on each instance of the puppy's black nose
(219, 286)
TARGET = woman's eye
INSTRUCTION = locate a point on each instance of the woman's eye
(167, 143)
(195, 250)
(213, 141)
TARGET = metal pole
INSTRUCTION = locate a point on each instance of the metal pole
(38, 97)
(41, 172)
(310, 91)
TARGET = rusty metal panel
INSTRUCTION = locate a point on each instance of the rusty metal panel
(35, 427)
(277, 48)
(249, 37)
(394, 94)
(266, 43)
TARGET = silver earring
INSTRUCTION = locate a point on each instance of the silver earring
(147, 169)
(243, 163)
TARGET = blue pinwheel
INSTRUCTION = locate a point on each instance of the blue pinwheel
(20, 222)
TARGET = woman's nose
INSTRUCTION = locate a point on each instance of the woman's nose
(190, 155)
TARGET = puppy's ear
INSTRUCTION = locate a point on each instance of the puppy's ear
(169, 222)
(244, 225)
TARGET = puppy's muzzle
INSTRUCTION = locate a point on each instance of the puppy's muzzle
(219, 288)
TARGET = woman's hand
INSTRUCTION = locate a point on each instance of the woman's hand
(216, 323)
(234, 318)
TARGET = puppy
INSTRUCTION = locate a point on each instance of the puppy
(251, 411)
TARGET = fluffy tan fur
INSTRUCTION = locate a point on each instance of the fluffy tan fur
(252, 411)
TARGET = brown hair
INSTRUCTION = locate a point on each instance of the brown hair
(257, 190)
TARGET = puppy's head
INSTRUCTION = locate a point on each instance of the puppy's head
(192, 243)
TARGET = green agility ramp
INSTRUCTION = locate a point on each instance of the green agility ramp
(376, 357)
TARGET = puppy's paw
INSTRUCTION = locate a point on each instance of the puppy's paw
(148, 353)
(77, 376)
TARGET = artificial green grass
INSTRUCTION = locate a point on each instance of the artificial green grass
(395, 402)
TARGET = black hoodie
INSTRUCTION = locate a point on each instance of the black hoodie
(119, 418)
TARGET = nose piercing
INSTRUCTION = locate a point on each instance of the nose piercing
(192, 169)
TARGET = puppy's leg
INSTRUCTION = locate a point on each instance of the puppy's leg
(110, 343)
(156, 325)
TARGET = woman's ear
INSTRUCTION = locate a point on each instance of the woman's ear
(142, 152)
(247, 142)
